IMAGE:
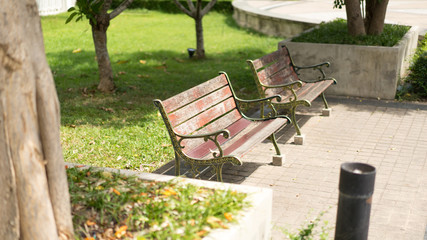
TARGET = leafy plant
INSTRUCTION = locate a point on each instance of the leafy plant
(310, 231)
(107, 205)
(336, 32)
(414, 86)
(85, 8)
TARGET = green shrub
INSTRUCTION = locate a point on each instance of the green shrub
(169, 6)
(417, 77)
(313, 229)
(335, 32)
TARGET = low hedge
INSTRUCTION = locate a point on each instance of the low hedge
(170, 7)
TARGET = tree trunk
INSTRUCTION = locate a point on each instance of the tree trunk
(99, 34)
(375, 16)
(200, 50)
(355, 23)
(198, 16)
(35, 200)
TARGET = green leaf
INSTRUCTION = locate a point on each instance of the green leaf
(70, 17)
(71, 9)
(79, 18)
(97, 6)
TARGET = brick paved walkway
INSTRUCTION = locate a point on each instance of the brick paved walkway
(390, 136)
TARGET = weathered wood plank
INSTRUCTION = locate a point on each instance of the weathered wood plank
(267, 59)
(198, 106)
(205, 148)
(228, 119)
(245, 142)
(311, 91)
(205, 117)
(173, 103)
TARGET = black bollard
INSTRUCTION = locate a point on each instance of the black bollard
(354, 203)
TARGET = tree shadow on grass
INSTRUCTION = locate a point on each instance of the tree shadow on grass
(140, 77)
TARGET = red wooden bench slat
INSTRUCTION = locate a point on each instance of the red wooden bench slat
(182, 99)
(311, 91)
(204, 149)
(198, 106)
(267, 59)
(205, 117)
(245, 142)
(228, 119)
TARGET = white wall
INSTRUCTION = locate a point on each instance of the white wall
(49, 7)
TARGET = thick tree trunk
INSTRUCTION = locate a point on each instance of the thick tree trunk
(99, 34)
(35, 200)
(200, 50)
(355, 23)
(375, 16)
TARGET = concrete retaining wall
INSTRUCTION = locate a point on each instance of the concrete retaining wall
(361, 71)
(271, 24)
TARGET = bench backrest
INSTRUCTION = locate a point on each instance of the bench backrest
(204, 108)
(273, 69)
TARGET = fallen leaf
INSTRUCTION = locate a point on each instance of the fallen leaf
(115, 191)
(121, 231)
(122, 73)
(215, 222)
(108, 109)
(169, 192)
(160, 67)
(77, 50)
(228, 216)
(179, 60)
(122, 61)
(107, 175)
(201, 233)
(90, 223)
(142, 61)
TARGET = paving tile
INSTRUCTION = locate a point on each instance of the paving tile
(390, 136)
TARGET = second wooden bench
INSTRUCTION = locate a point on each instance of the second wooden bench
(276, 74)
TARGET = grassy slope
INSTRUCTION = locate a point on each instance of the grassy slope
(123, 130)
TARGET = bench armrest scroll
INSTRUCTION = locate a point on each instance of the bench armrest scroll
(318, 67)
(285, 85)
(213, 136)
(265, 102)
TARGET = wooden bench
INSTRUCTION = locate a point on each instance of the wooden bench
(276, 74)
(208, 128)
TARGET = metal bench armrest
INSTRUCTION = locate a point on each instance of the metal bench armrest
(318, 67)
(213, 136)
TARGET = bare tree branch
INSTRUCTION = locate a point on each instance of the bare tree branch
(182, 8)
(208, 7)
(120, 8)
(191, 5)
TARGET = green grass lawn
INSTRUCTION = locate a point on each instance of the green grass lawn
(148, 51)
